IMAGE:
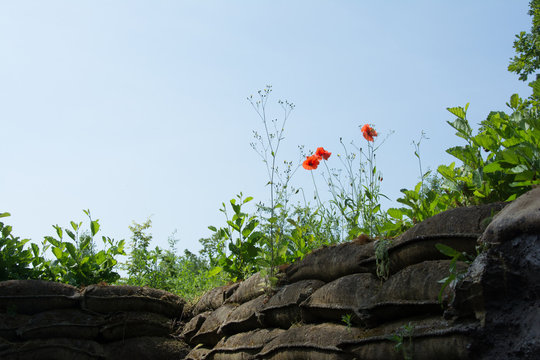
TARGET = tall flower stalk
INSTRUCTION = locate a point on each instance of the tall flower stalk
(267, 146)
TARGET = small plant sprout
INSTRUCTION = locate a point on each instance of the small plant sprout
(347, 319)
(403, 339)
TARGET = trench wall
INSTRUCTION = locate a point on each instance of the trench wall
(329, 305)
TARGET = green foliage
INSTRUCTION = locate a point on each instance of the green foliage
(382, 261)
(403, 339)
(347, 319)
(455, 275)
(511, 163)
(242, 240)
(267, 147)
(77, 262)
(15, 260)
(527, 46)
(185, 275)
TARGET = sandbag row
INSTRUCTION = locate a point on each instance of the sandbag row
(305, 318)
(49, 320)
(457, 228)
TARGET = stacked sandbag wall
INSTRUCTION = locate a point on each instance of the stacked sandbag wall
(48, 320)
(331, 304)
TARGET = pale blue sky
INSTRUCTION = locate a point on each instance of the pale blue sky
(138, 108)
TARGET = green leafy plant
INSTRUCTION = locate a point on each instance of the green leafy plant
(77, 261)
(347, 319)
(454, 275)
(403, 339)
(382, 261)
(242, 239)
(15, 260)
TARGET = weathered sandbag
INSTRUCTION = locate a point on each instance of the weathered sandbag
(462, 220)
(412, 291)
(522, 216)
(342, 297)
(282, 310)
(245, 317)
(109, 299)
(34, 296)
(214, 298)
(64, 323)
(422, 248)
(249, 289)
(332, 262)
(425, 339)
(451, 347)
(193, 326)
(197, 353)
(54, 349)
(147, 348)
(242, 346)
(9, 323)
(126, 325)
(309, 342)
(209, 333)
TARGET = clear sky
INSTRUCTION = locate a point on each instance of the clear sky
(138, 108)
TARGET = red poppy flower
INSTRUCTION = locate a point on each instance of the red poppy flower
(323, 154)
(368, 132)
(311, 162)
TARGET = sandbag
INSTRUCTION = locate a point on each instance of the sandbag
(341, 297)
(422, 248)
(242, 346)
(462, 220)
(245, 317)
(109, 299)
(147, 348)
(198, 353)
(193, 326)
(209, 333)
(34, 296)
(249, 289)
(521, 217)
(54, 349)
(309, 342)
(412, 291)
(64, 323)
(214, 298)
(126, 325)
(429, 338)
(9, 323)
(332, 262)
(282, 310)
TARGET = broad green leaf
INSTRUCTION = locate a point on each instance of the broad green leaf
(458, 111)
(486, 141)
(215, 271)
(35, 249)
(447, 250)
(493, 167)
(94, 227)
(213, 228)
(74, 226)
(514, 101)
(72, 251)
(53, 241)
(395, 213)
(248, 199)
(57, 252)
(6, 214)
(70, 234)
(518, 169)
(58, 231)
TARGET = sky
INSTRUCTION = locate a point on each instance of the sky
(137, 109)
